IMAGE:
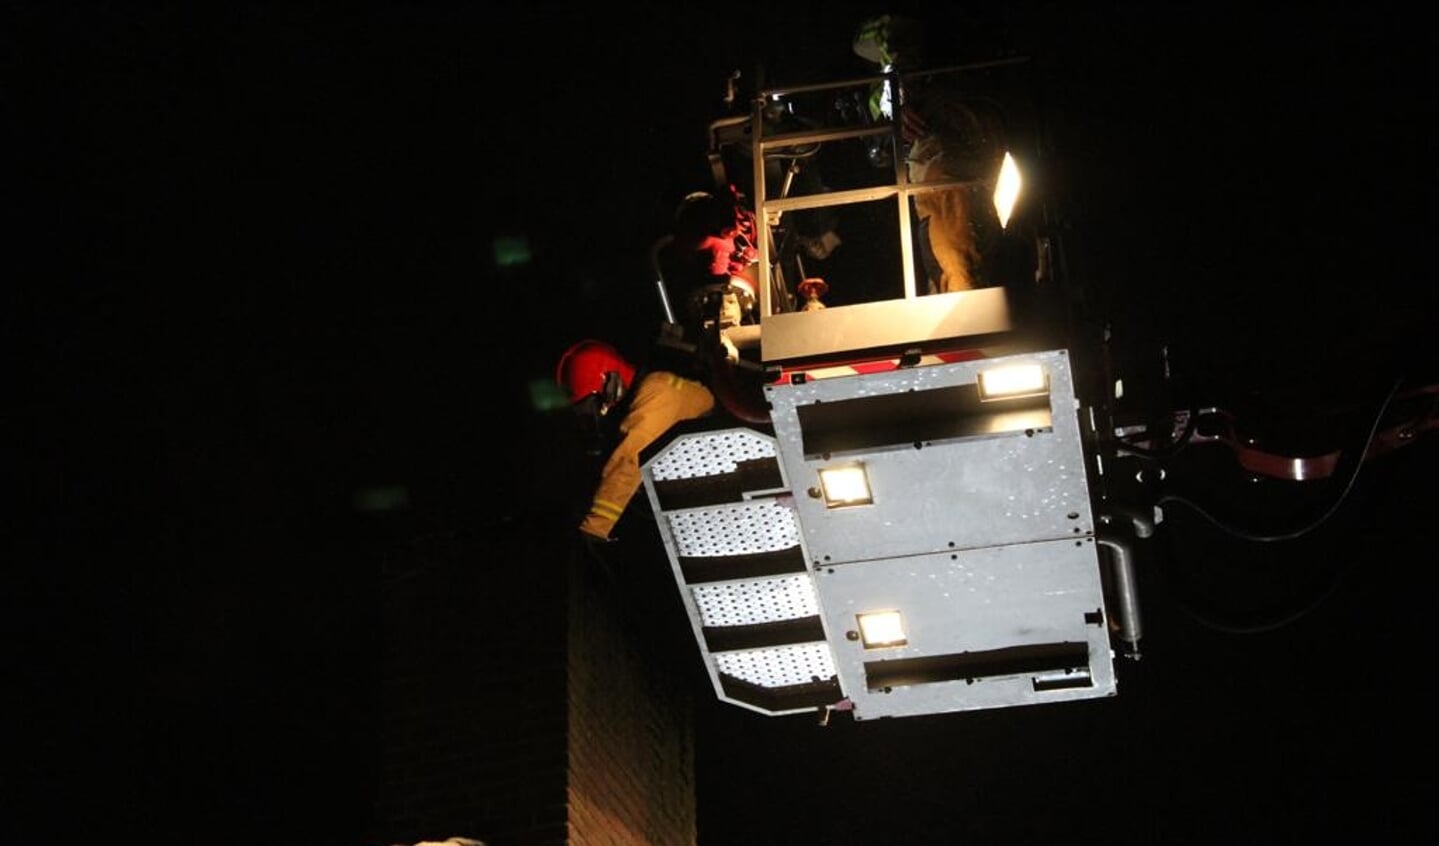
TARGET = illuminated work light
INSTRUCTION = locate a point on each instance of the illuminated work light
(845, 486)
(1006, 189)
(881, 628)
(1013, 380)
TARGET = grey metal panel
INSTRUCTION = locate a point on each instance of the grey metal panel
(970, 601)
(961, 494)
(788, 336)
(985, 544)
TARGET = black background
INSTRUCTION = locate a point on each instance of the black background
(251, 274)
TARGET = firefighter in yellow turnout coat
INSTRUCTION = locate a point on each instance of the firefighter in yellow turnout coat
(946, 137)
(598, 380)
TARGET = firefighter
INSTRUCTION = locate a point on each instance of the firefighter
(945, 138)
(603, 386)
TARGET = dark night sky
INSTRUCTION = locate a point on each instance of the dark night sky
(254, 276)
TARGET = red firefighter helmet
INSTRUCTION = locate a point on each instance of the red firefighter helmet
(584, 371)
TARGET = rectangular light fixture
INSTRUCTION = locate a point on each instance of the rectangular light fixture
(845, 485)
(881, 628)
(1011, 381)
